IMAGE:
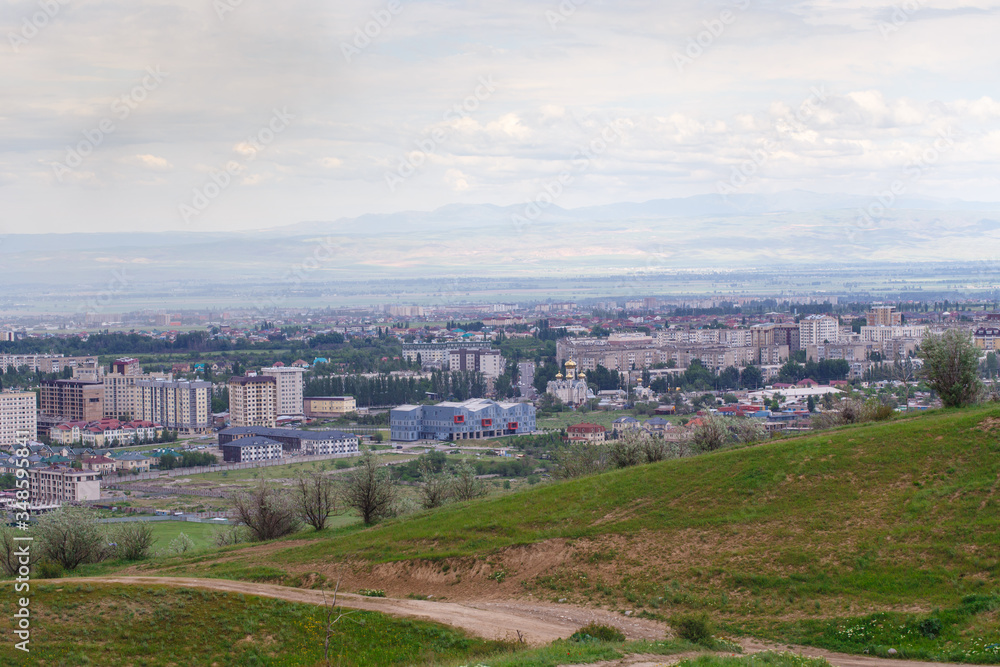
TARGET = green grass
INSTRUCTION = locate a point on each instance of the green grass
(202, 534)
(767, 659)
(159, 626)
(289, 470)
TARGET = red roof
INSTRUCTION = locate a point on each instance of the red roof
(586, 428)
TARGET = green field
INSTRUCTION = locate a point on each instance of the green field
(202, 534)
(605, 418)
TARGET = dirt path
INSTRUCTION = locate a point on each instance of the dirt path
(538, 623)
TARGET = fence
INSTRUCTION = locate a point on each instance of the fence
(222, 467)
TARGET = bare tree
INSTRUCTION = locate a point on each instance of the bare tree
(316, 500)
(331, 621)
(71, 537)
(436, 488)
(370, 489)
(582, 459)
(466, 486)
(266, 512)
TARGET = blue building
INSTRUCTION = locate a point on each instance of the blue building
(477, 418)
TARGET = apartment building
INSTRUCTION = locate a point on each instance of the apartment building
(178, 405)
(7, 336)
(251, 448)
(253, 401)
(439, 353)
(819, 329)
(43, 363)
(987, 338)
(289, 381)
(882, 333)
(18, 417)
(488, 362)
(884, 316)
(73, 400)
(294, 440)
(328, 407)
(57, 485)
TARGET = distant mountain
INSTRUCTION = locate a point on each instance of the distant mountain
(703, 231)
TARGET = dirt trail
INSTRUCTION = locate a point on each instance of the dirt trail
(538, 623)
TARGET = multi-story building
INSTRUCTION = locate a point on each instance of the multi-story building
(586, 432)
(73, 400)
(329, 407)
(43, 363)
(488, 362)
(819, 329)
(105, 433)
(178, 405)
(473, 419)
(884, 316)
(882, 333)
(987, 338)
(57, 485)
(289, 387)
(18, 417)
(253, 401)
(427, 353)
(7, 336)
(251, 448)
(121, 398)
(294, 440)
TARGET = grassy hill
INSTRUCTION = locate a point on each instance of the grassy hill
(787, 539)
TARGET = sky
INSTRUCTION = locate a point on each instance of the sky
(226, 115)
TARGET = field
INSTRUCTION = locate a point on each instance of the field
(799, 538)
(202, 534)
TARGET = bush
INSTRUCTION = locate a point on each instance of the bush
(930, 627)
(71, 537)
(597, 632)
(372, 592)
(47, 569)
(695, 629)
(132, 539)
(180, 544)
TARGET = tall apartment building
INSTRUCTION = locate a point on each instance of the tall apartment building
(121, 398)
(7, 336)
(179, 405)
(880, 334)
(488, 362)
(73, 400)
(253, 401)
(290, 383)
(819, 329)
(18, 417)
(884, 316)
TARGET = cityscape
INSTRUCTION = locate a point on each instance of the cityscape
(458, 334)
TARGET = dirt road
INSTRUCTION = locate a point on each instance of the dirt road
(538, 623)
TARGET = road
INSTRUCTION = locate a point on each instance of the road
(538, 623)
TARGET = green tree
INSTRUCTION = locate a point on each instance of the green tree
(951, 367)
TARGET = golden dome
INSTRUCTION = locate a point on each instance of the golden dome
(559, 376)
(570, 364)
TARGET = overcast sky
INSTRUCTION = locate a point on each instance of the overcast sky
(118, 114)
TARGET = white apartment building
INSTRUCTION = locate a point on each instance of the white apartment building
(881, 334)
(818, 330)
(290, 382)
(488, 362)
(178, 405)
(18, 417)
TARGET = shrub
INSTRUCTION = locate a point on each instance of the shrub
(180, 544)
(47, 569)
(695, 629)
(71, 536)
(597, 632)
(132, 539)
(930, 627)
(372, 592)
